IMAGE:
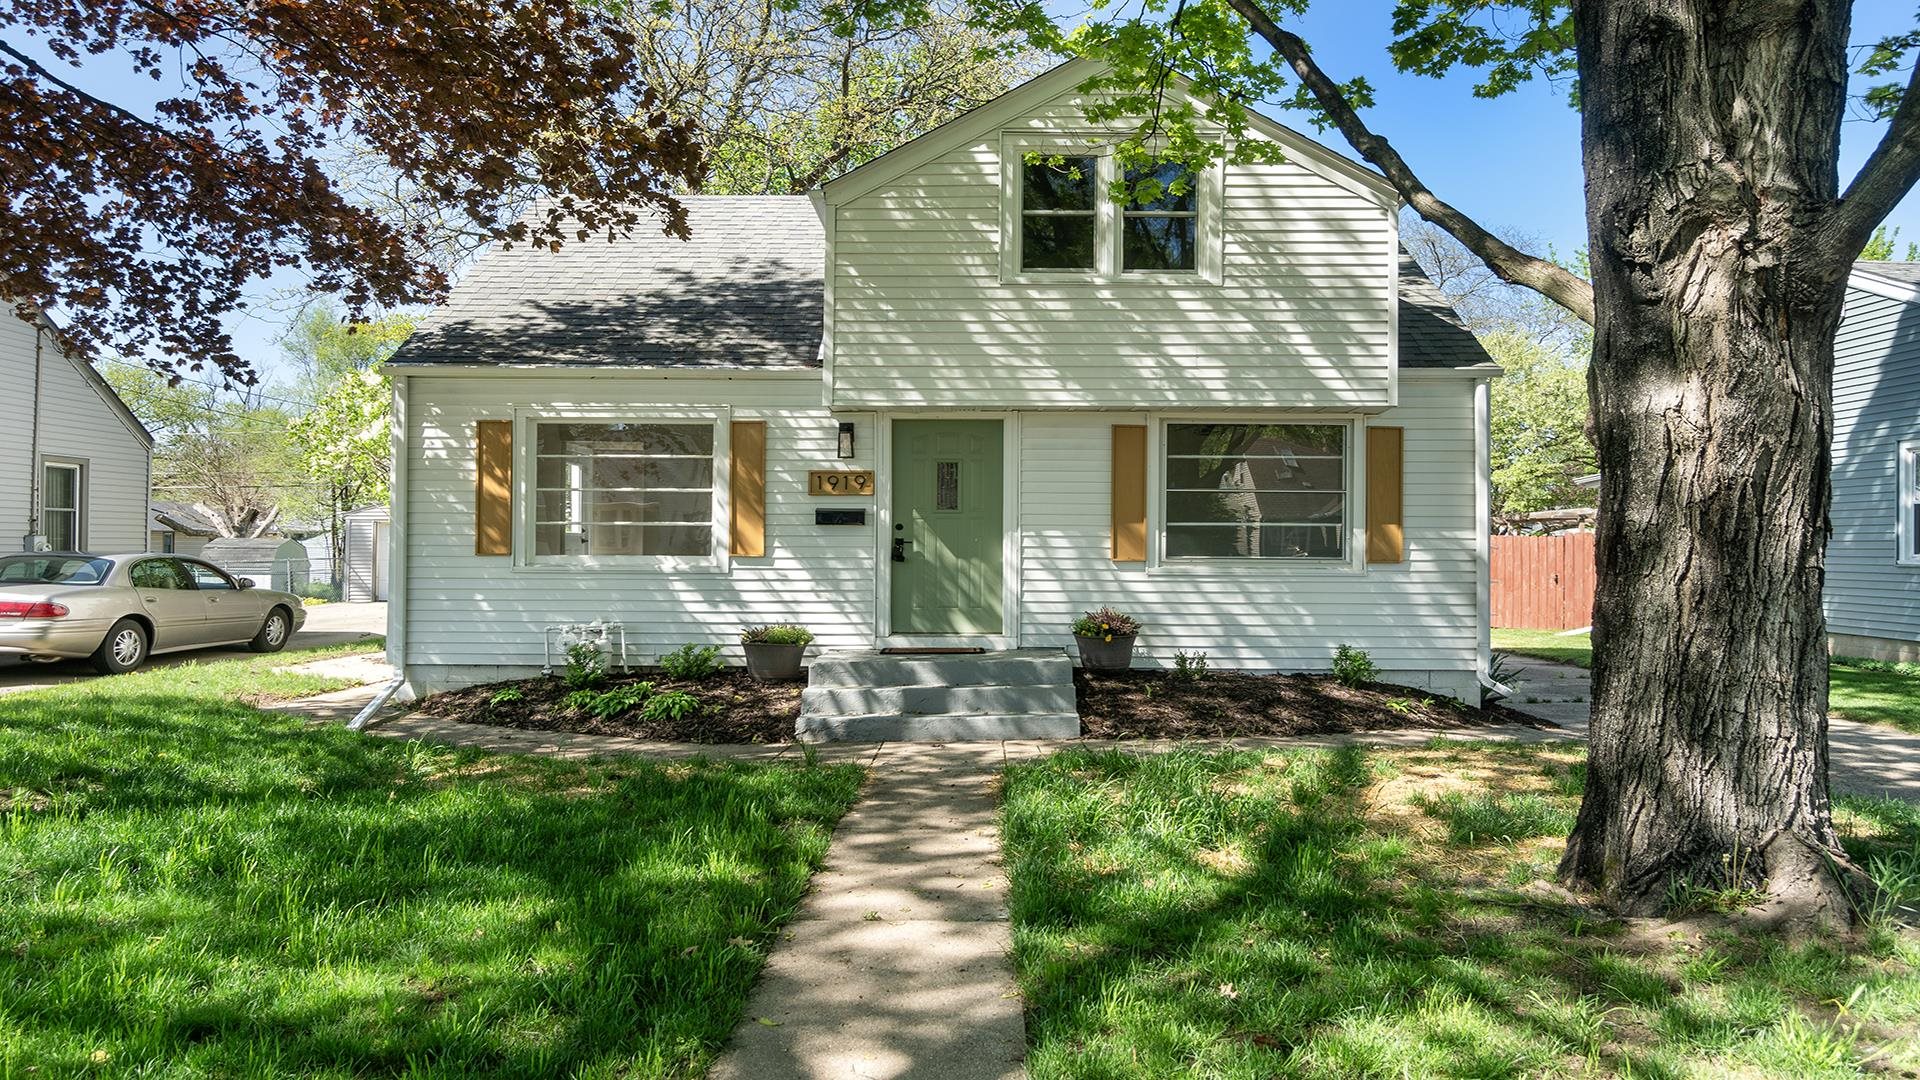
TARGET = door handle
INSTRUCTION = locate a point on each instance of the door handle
(900, 549)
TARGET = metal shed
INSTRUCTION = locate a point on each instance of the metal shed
(364, 577)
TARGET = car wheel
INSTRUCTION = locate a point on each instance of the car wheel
(273, 633)
(123, 649)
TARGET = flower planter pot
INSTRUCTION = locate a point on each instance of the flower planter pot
(1099, 654)
(775, 663)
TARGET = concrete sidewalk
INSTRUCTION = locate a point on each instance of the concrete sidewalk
(1864, 759)
(897, 964)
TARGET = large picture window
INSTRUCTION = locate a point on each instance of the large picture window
(1256, 491)
(61, 497)
(642, 488)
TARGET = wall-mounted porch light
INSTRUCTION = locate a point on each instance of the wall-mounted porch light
(846, 438)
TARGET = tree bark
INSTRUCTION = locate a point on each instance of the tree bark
(1711, 134)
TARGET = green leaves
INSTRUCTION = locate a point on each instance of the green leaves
(1512, 42)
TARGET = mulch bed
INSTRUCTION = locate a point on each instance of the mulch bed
(1229, 704)
(736, 709)
(1134, 705)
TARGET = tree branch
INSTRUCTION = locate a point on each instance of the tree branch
(1882, 182)
(1511, 264)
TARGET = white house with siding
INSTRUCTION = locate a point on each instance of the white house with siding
(74, 462)
(953, 399)
(1873, 555)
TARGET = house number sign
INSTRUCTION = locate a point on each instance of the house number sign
(827, 482)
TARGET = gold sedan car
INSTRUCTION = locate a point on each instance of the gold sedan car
(117, 610)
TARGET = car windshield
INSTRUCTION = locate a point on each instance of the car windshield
(53, 570)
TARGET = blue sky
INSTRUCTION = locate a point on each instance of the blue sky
(1512, 163)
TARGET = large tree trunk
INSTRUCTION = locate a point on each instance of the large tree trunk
(1711, 130)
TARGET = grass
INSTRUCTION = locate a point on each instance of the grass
(191, 887)
(1869, 691)
(1360, 913)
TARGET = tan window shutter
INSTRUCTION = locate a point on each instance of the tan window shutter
(748, 488)
(1386, 539)
(1129, 493)
(493, 494)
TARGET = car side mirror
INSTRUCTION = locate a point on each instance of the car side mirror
(245, 582)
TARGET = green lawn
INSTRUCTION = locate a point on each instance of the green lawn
(1345, 914)
(1861, 690)
(191, 887)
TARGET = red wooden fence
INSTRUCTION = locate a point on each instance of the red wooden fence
(1543, 582)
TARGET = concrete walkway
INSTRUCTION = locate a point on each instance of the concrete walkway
(1864, 759)
(897, 964)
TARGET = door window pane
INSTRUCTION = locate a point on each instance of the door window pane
(623, 489)
(946, 485)
(1256, 491)
(207, 578)
(159, 574)
(1058, 215)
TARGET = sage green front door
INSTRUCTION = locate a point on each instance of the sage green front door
(948, 512)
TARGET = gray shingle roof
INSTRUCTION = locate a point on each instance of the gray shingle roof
(744, 292)
(1431, 333)
(1904, 272)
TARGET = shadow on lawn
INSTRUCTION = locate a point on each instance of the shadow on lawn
(1212, 915)
(198, 886)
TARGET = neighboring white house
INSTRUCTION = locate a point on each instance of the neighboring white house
(955, 399)
(364, 577)
(1873, 557)
(178, 528)
(74, 462)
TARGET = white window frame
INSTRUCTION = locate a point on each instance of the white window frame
(1108, 235)
(527, 434)
(79, 507)
(1354, 505)
(1906, 503)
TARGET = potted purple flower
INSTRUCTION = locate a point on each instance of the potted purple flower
(774, 652)
(1106, 639)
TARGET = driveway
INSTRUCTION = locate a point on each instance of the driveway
(1865, 759)
(328, 624)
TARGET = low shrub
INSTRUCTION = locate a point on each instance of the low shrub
(586, 666)
(670, 705)
(316, 590)
(1106, 624)
(1189, 667)
(776, 634)
(1353, 666)
(691, 662)
(611, 703)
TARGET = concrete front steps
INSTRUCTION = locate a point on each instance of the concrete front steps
(874, 697)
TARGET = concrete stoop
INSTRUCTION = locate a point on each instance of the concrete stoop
(874, 697)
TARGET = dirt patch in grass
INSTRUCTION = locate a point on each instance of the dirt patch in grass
(733, 709)
(1225, 704)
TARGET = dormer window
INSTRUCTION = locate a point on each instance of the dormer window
(1060, 225)
(1059, 217)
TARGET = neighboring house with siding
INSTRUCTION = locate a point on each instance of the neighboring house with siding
(954, 399)
(179, 528)
(1873, 557)
(74, 461)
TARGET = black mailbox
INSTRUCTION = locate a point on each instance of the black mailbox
(839, 517)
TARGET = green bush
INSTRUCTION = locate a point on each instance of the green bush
(1189, 667)
(670, 705)
(586, 666)
(1353, 666)
(317, 590)
(610, 703)
(776, 634)
(691, 662)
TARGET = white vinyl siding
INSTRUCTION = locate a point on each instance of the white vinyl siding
(360, 577)
(470, 618)
(1300, 316)
(1870, 592)
(77, 424)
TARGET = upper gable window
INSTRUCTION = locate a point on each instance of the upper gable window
(1162, 230)
(1058, 222)
(1059, 217)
